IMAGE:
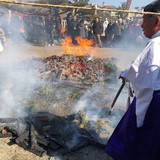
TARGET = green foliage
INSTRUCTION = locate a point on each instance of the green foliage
(53, 1)
(42, 1)
(122, 7)
(108, 66)
(81, 1)
(30, 106)
(80, 4)
(75, 95)
(44, 90)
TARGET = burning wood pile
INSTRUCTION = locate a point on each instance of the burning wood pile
(43, 133)
(63, 81)
(76, 69)
(66, 78)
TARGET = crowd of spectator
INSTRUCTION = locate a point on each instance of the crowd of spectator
(106, 33)
(47, 30)
(43, 30)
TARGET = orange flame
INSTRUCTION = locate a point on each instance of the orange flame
(3, 131)
(21, 29)
(63, 30)
(84, 46)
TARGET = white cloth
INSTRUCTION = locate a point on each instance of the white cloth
(144, 74)
(1, 47)
(105, 24)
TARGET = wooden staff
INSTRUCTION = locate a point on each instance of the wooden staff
(116, 97)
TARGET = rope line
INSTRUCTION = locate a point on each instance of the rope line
(76, 7)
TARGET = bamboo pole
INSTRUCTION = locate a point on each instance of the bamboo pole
(75, 7)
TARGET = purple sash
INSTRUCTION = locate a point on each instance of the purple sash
(131, 143)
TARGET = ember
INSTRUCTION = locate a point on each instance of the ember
(3, 131)
(78, 69)
(21, 29)
(49, 134)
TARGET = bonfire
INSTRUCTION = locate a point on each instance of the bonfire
(66, 108)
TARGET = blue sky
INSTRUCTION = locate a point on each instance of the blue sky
(135, 3)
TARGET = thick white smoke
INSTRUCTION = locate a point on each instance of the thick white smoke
(16, 86)
(17, 81)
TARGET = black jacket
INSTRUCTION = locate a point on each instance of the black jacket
(97, 28)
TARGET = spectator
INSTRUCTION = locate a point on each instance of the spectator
(2, 40)
(39, 30)
(68, 27)
(2, 37)
(49, 23)
(110, 32)
(74, 29)
(100, 20)
(105, 25)
(82, 29)
(117, 32)
(58, 27)
(97, 31)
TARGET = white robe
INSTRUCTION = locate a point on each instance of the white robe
(144, 74)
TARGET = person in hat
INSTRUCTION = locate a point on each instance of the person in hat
(137, 136)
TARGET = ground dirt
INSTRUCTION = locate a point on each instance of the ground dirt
(18, 52)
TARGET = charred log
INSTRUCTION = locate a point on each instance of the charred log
(63, 135)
